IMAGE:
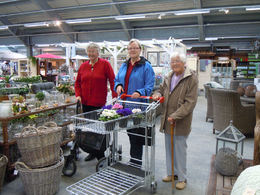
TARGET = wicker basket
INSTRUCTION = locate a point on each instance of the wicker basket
(3, 163)
(40, 147)
(44, 181)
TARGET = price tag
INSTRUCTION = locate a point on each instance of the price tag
(15, 172)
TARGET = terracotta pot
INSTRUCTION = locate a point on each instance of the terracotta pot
(250, 91)
(241, 90)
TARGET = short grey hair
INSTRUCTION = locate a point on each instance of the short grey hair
(93, 46)
(135, 41)
(181, 55)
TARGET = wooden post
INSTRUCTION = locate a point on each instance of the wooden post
(257, 131)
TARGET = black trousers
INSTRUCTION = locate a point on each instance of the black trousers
(136, 144)
(97, 153)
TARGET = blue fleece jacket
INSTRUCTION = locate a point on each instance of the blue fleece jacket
(141, 79)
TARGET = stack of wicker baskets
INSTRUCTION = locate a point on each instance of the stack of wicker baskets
(42, 160)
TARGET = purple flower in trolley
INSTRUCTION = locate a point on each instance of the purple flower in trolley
(124, 112)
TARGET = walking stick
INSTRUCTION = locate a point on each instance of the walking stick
(172, 146)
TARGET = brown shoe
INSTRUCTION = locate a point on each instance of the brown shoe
(169, 178)
(180, 185)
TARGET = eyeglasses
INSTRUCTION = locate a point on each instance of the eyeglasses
(133, 48)
(175, 61)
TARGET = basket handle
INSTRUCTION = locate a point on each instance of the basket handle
(29, 127)
(3, 157)
(21, 165)
(50, 124)
(161, 99)
(42, 127)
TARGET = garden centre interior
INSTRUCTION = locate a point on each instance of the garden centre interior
(42, 47)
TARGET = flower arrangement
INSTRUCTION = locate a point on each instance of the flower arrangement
(107, 115)
(109, 107)
(138, 116)
(66, 88)
(117, 107)
(19, 106)
(124, 112)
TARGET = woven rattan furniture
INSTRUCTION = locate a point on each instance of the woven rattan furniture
(257, 131)
(227, 107)
(209, 114)
(235, 83)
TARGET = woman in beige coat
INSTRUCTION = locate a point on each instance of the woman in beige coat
(180, 90)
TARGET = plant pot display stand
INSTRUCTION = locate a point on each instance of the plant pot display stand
(222, 185)
(123, 123)
(6, 145)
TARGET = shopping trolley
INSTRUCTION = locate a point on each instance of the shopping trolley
(117, 176)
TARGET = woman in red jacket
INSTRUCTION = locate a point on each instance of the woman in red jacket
(91, 84)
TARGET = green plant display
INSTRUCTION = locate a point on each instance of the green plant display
(8, 78)
(33, 79)
(33, 60)
(8, 91)
(66, 88)
(40, 96)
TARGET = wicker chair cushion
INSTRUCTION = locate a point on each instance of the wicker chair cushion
(250, 91)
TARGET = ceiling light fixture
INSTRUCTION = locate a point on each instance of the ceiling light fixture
(129, 17)
(3, 27)
(77, 21)
(252, 8)
(211, 38)
(57, 23)
(37, 24)
(192, 12)
(161, 15)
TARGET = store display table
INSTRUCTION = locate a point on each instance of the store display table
(6, 143)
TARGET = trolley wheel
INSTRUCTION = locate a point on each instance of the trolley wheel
(70, 167)
(102, 164)
(120, 152)
(154, 186)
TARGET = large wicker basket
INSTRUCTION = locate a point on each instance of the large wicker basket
(40, 147)
(3, 163)
(43, 181)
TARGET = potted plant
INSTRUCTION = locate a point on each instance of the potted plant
(138, 116)
(108, 115)
(124, 112)
(40, 96)
(68, 90)
(7, 80)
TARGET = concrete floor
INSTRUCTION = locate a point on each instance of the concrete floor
(201, 146)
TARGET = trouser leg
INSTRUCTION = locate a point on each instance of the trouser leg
(180, 156)
(136, 150)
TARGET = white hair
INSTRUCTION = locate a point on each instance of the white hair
(180, 54)
(135, 41)
(93, 46)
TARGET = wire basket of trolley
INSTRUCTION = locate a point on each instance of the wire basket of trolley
(117, 172)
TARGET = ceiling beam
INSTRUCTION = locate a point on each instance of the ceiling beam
(15, 32)
(200, 21)
(65, 28)
(125, 24)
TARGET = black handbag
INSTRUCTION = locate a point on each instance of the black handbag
(91, 142)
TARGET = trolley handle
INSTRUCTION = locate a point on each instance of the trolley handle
(161, 99)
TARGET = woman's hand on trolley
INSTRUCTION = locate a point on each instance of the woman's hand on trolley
(135, 95)
(119, 90)
(78, 98)
(156, 96)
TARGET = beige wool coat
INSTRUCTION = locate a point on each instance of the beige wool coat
(179, 103)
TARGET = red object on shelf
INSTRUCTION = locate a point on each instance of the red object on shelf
(48, 55)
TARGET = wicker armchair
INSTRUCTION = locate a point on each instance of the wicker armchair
(209, 114)
(227, 107)
(257, 131)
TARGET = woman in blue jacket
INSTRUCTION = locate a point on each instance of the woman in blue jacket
(136, 78)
